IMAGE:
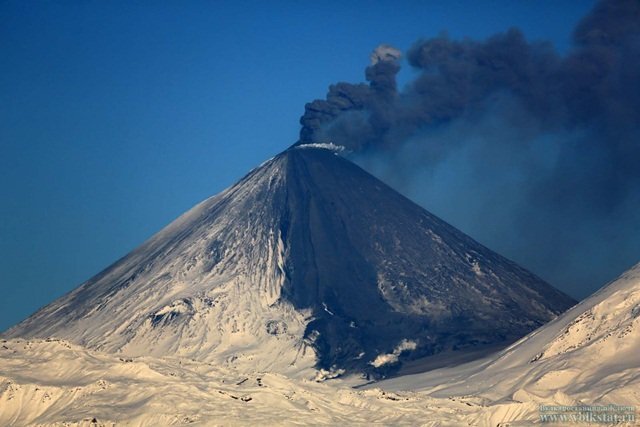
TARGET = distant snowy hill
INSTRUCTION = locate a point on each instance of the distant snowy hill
(589, 355)
(308, 261)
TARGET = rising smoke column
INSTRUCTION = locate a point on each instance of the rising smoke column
(535, 153)
(356, 111)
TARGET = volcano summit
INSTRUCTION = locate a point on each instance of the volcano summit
(308, 261)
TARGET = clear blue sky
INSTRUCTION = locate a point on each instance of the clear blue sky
(115, 117)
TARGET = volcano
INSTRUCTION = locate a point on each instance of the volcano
(307, 261)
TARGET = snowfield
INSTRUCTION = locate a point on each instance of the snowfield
(587, 356)
(49, 383)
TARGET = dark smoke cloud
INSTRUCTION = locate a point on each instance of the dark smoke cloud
(350, 108)
(534, 153)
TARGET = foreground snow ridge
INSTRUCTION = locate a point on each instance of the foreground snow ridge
(587, 356)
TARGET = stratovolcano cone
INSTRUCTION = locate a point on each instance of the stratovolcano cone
(306, 261)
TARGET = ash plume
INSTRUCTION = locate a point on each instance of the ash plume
(350, 108)
(533, 152)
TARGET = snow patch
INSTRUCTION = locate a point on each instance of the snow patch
(324, 305)
(476, 268)
(324, 145)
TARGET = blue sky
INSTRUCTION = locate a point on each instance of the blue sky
(115, 117)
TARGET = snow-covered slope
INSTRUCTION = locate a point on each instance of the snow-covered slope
(589, 355)
(306, 261)
(207, 286)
